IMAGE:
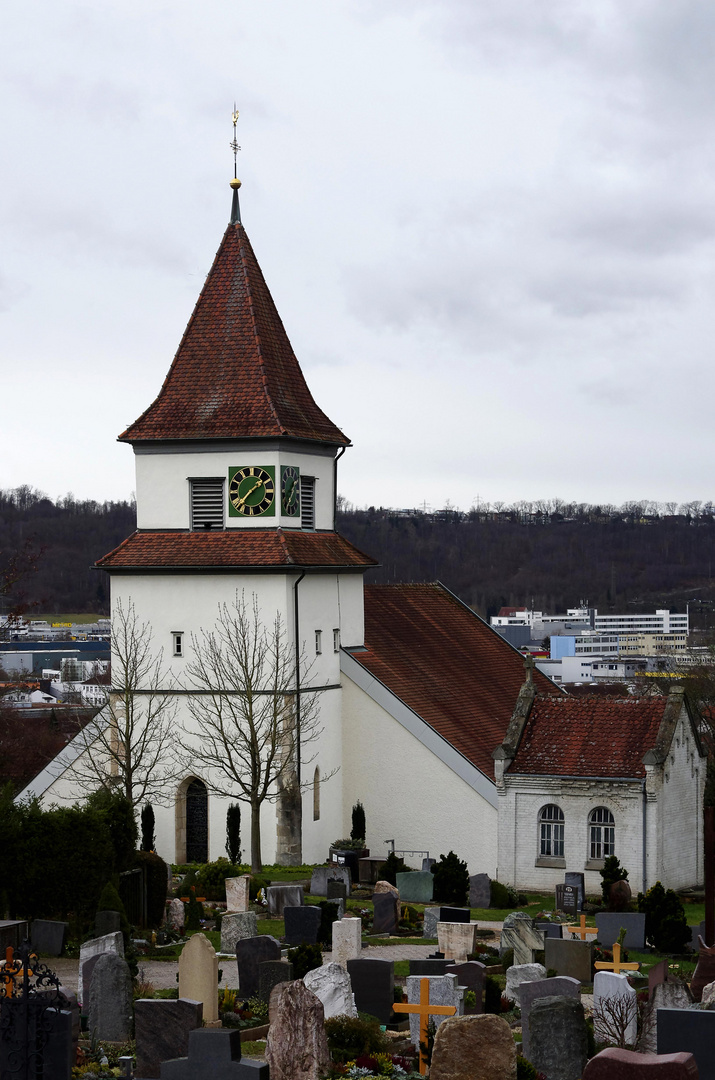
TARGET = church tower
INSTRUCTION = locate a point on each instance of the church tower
(236, 472)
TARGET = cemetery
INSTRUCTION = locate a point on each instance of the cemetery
(281, 974)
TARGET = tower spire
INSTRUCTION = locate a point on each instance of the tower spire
(235, 183)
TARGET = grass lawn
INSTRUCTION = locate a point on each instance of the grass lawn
(83, 618)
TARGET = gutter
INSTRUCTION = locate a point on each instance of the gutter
(296, 631)
(645, 805)
(339, 454)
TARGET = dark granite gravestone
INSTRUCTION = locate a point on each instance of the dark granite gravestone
(48, 937)
(472, 975)
(577, 880)
(569, 902)
(454, 914)
(106, 922)
(428, 966)
(427, 865)
(214, 1054)
(480, 891)
(250, 952)
(270, 974)
(12, 932)
(558, 1041)
(49, 1035)
(551, 929)
(559, 897)
(614, 1064)
(162, 1031)
(384, 913)
(373, 984)
(569, 958)
(609, 923)
(690, 1031)
(302, 925)
(529, 992)
(336, 890)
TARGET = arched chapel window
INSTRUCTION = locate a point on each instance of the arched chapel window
(601, 833)
(197, 822)
(316, 794)
(551, 831)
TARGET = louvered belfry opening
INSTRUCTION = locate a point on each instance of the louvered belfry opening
(206, 502)
(307, 502)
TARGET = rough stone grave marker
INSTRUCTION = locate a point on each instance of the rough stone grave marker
(331, 984)
(519, 974)
(664, 995)
(110, 943)
(237, 926)
(431, 918)
(474, 1048)
(373, 983)
(347, 940)
(162, 1031)
(176, 915)
(297, 1047)
(249, 954)
(198, 975)
(214, 1055)
(416, 887)
(614, 1064)
(518, 933)
(529, 992)
(690, 1031)
(110, 999)
(301, 925)
(558, 1041)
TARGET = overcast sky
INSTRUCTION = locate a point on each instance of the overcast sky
(488, 225)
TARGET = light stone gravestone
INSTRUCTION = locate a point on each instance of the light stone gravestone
(238, 893)
(347, 940)
(558, 1041)
(431, 918)
(480, 891)
(614, 1002)
(416, 887)
(519, 974)
(280, 897)
(529, 992)
(518, 933)
(110, 1007)
(198, 975)
(176, 915)
(331, 983)
(323, 874)
(665, 995)
(456, 940)
(443, 990)
(237, 926)
(297, 1046)
(474, 1048)
(110, 943)
(162, 1031)
(609, 923)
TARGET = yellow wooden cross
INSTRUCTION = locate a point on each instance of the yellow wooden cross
(582, 929)
(8, 971)
(425, 1010)
(617, 966)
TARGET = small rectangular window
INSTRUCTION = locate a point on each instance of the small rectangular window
(318, 642)
(307, 502)
(206, 494)
(177, 638)
(336, 641)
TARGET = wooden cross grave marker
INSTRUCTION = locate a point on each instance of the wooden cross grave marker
(425, 1010)
(617, 966)
(11, 969)
(582, 929)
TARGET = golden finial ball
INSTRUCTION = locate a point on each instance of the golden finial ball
(235, 183)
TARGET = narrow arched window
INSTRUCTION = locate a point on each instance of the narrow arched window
(601, 833)
(316, 794)
(551, 831)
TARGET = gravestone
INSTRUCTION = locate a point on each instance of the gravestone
(176, 915)
(570, 901)
(12, 934)
(214, 1055)
(480, 891)
(455, 914)
(573, 959)
(369, 868)
(558, 1041)
(49, 1032)
(472, 976)
(519, 933)
(250, 953)
(690, 1031)
(297, 1046)
(519, 974)
(614, 1064)
(270, 974)
(456, 941)
(704, 971)
(281, 896)
(385, 887)
(431, 918)
(336, 890)
(428, 967)
(609, 923)
(443, 990)
(339, 905)
(238, 893)
(106, 922)
(619, 895)
(549, 929)
(697, 932)
(323, 874)
(162, 1031)
(658, 974)
(577, 880)
(331, 984)
(48, 937)
(373, 983)
(559, 897)
(384, 914)
(614, 1003)
(302, 925)
(110, 943)
(664, 995)
(87, 971)
(708, 997)
(347, 940)
(416, 887)
(473, 1048)
(427, 864)
(237, 926)
(348, 859)
(110, 999)
(529, 992)
(198, 975)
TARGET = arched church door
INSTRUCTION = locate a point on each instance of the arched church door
(197, 822)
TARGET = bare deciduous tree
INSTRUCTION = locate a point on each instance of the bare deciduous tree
(615, 1020)
(242, 698)
(131, 744)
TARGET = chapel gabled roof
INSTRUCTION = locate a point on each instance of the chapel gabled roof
(235, 374)
(444, 662)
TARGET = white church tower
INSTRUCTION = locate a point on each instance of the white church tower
(236, 470)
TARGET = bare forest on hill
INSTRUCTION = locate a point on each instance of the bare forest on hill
(548, 555)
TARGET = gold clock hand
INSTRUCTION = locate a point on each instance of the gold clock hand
(249, 493)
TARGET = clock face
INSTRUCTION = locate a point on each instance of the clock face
(252, 491)
(290, 490)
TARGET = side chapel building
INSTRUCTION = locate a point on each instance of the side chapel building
(236, 481)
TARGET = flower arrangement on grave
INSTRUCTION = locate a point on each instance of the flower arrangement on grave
(237, 1012)
(411, 920)
(367, 1065)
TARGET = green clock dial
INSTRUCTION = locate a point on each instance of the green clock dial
(290, 490)
(251, 491)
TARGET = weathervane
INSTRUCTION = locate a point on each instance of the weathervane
(235, 183)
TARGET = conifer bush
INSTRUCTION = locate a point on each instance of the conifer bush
(451, 880)
(666, 926)
(392, 865)
(148, 839)
(305, 958)
(157, 884)
(233, 833)
(358, 830)
(611, 873)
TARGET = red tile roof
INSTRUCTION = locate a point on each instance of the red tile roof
(567, 736)
(235, 374)
(446, 664)
(233, 548)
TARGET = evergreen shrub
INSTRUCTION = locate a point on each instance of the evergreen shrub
(117, 814)
(392, 865)
(211, 877)
(358, 830)
(611, 872)
(499, 895)
(666, 926)
(110, 900)
(157, 884)
(148, 840)
(492, 995)
(305, 958)
(233, 833)
(451, 880)
(351, 1037)
(328, 915)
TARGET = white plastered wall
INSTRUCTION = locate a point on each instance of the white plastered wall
(680, 821)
